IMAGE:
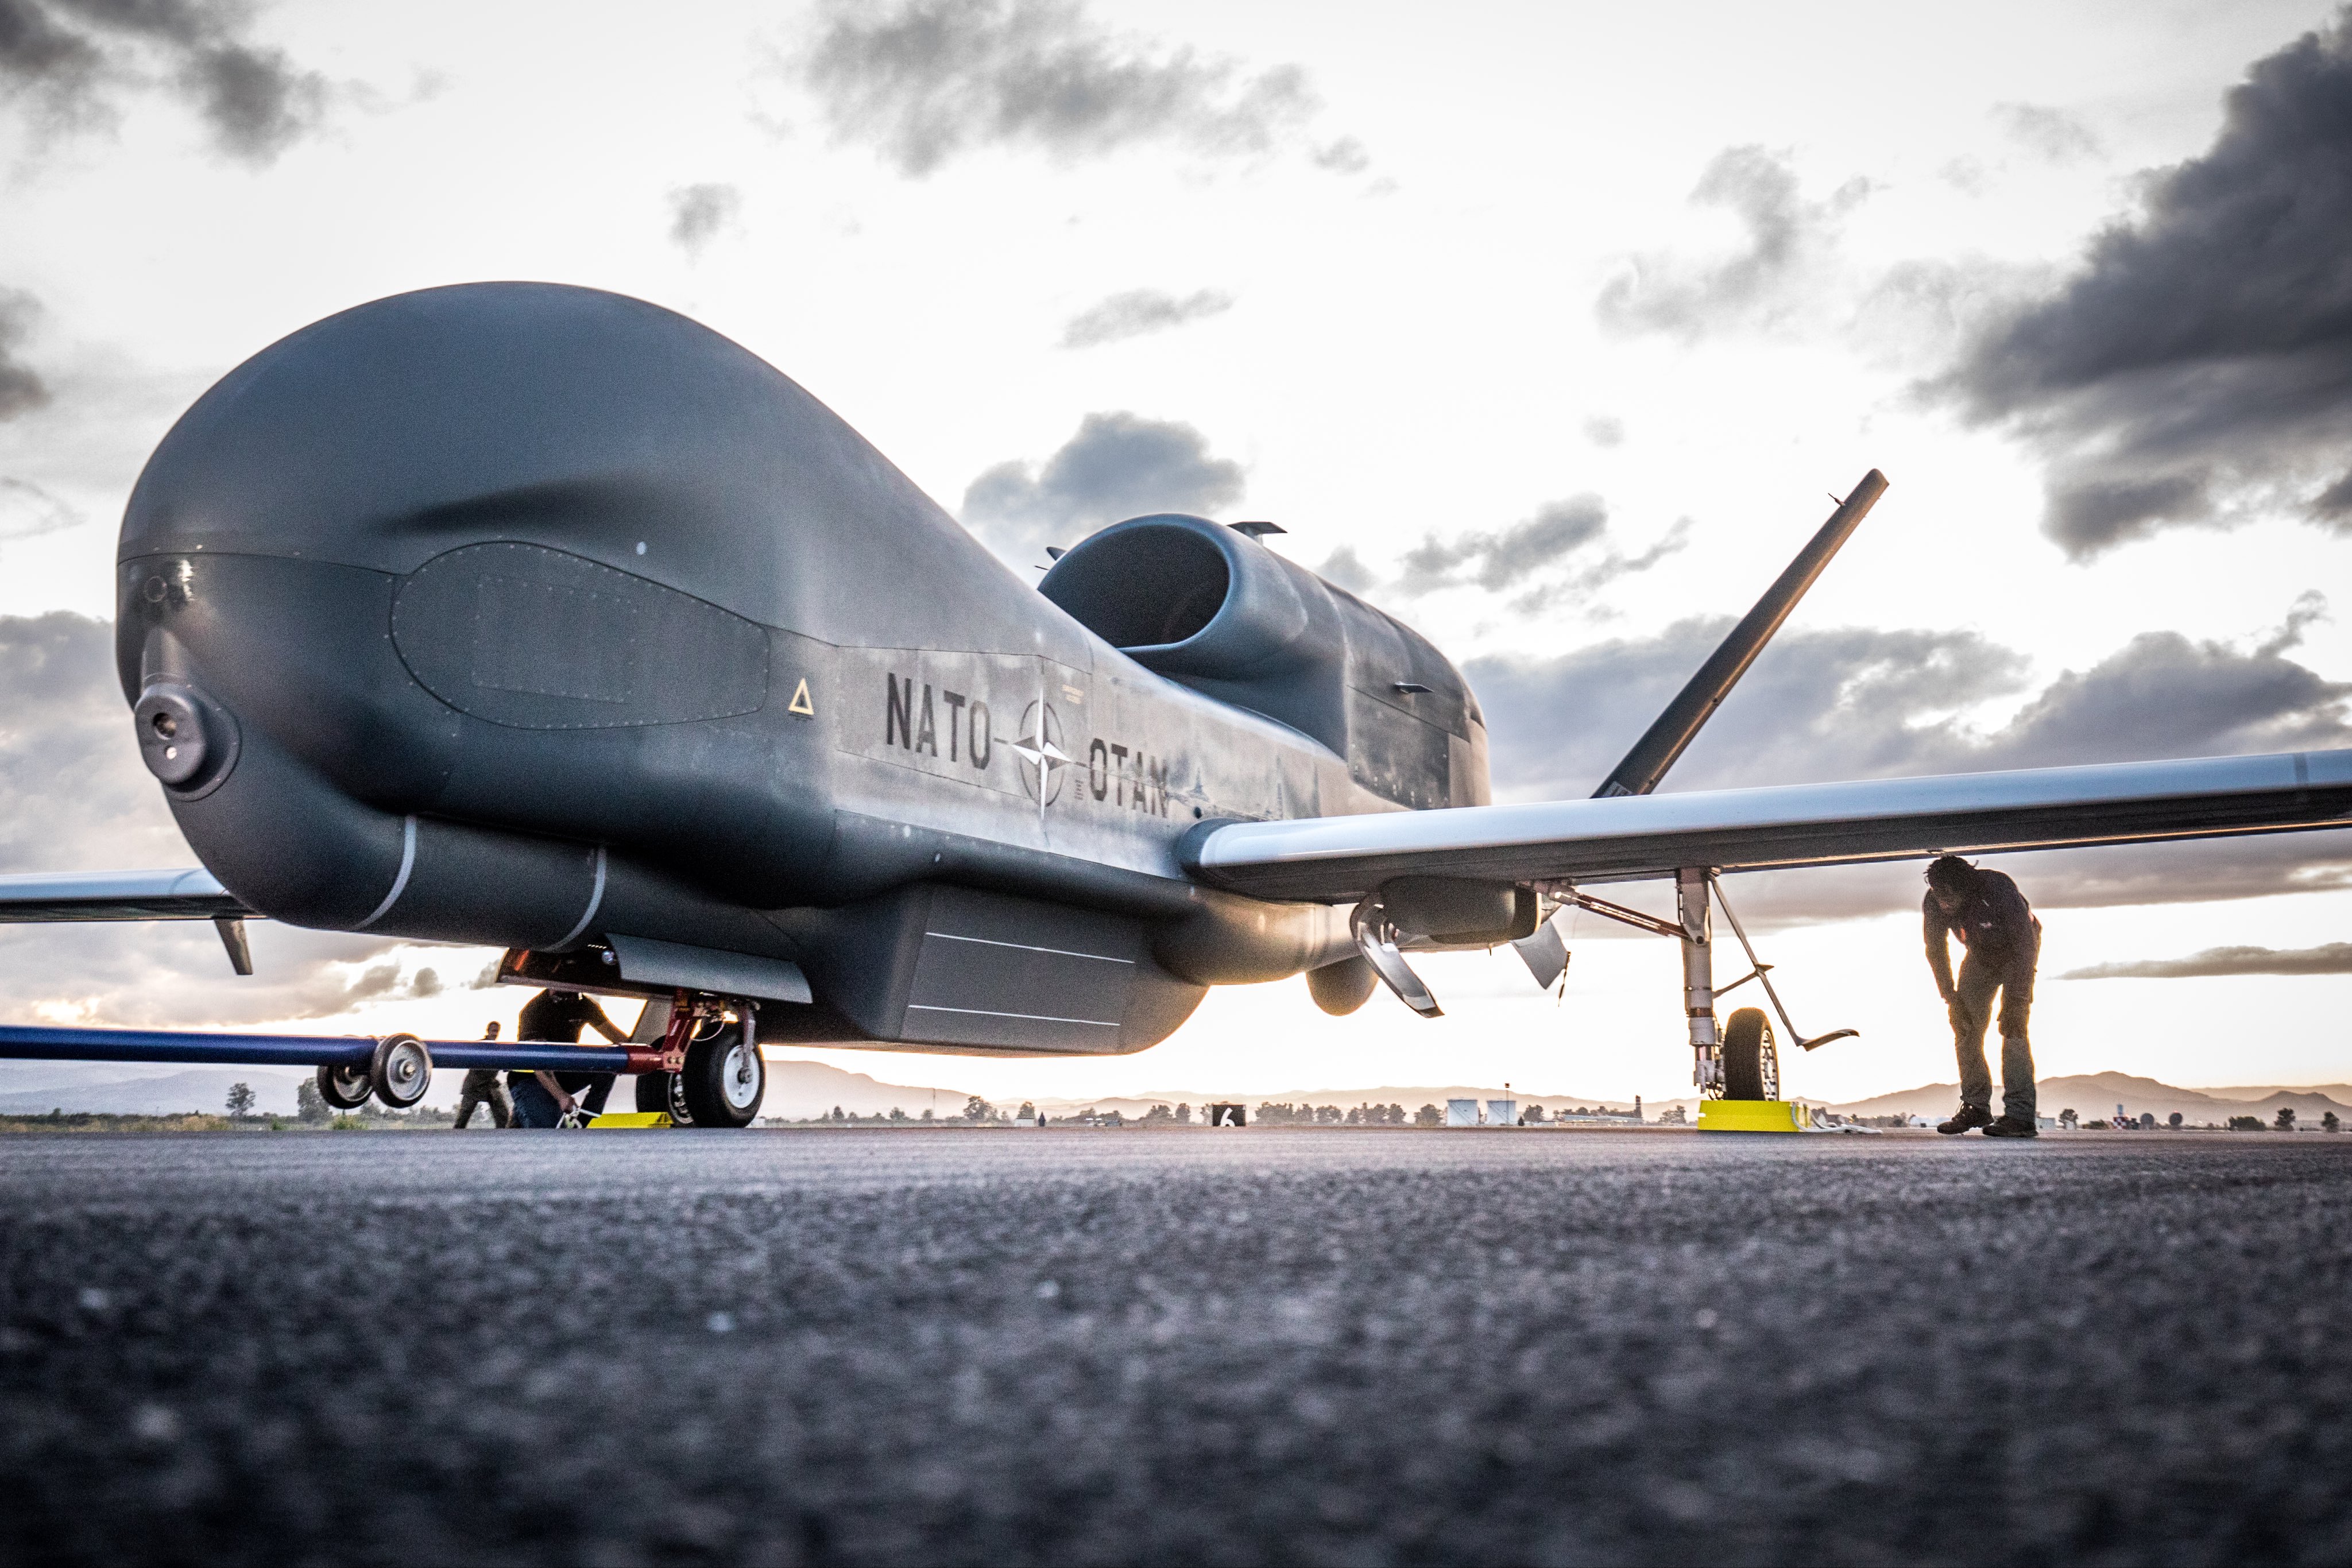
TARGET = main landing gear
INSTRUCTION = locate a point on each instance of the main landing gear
(1739, 1058)
(709, 1072)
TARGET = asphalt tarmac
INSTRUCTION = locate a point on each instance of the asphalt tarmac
(1263, 1346)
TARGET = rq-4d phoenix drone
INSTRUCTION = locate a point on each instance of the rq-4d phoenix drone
(546, 618)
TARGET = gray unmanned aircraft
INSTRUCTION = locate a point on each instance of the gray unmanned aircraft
(546, 618)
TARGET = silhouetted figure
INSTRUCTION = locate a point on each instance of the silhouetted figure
(482, 1088)
(1990, 915)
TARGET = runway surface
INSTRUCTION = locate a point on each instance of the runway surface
(1246, 1347)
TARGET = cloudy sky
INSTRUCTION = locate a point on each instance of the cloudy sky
(1550, 328)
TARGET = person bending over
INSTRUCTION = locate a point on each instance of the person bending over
(545, 1098)
(1990, 915)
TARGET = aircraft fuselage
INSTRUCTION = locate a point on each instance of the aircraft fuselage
(527, 615)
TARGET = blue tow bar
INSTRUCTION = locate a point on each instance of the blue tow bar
(41, 1044)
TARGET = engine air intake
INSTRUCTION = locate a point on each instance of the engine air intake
(1147, 584)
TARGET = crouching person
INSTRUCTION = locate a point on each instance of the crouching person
(551, 1099)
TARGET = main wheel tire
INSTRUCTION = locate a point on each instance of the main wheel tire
(346, 1087)
(662, 1091)
(723, 1081)
(1752, 1066)
(401, 1070)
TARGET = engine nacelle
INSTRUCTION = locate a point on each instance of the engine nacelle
(1215, 610)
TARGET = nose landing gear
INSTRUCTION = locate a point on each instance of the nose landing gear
(707, 1072)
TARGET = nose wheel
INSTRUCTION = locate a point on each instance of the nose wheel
(724, 1080)
(663, 1092)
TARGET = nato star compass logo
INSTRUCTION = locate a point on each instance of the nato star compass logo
(1043, 759)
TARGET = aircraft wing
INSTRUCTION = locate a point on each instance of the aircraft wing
(1628, 838)
(189, 893)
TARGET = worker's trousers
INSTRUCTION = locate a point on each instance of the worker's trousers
(482, 1088)
(1977, 984)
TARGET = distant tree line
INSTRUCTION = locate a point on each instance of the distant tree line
(1271, 1114)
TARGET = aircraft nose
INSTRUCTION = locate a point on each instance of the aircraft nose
(395, 431)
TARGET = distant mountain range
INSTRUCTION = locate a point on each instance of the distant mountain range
(799, 1091)
(2096, 1094)
(135, 1088)
(803, 1091)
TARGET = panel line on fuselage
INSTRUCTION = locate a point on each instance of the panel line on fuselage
(991, 1013)
(1030, 947)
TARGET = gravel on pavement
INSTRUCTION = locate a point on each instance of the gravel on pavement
(1196, 1347)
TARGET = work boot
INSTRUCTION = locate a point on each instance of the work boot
(1964, 1118)
(2010, 1127)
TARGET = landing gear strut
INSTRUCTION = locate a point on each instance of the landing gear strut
(1698, 979)
(1739, 1060)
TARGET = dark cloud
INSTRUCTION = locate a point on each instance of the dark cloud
(255, 100)
(1346, 568)
(929, 80)
(2051, 134)
(27, 511)
(1117, 466)
(2334, 958)
(1589, 581)
(73, 797)
(1346, 156)
(1527, 556)
(21, 387)
(1966, 175)
(1774, 280)
(1791, 276)
(73, 794)
(1500, 560)
(1141, 311)
(38, 56)
(2199, 365)
(69, 58)
(697, 214)
(1831, 703)
(1844, 703)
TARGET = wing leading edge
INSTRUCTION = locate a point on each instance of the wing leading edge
(177, 894)
(1628, 838)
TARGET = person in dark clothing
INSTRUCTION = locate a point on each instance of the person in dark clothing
(545, 1098)
(1990, 915)
(482, 1088)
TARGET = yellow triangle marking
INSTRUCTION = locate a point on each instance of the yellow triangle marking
(800, 704)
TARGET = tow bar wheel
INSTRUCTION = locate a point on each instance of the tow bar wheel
(724, 1080)
(346, 1087)
(401, 1070)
